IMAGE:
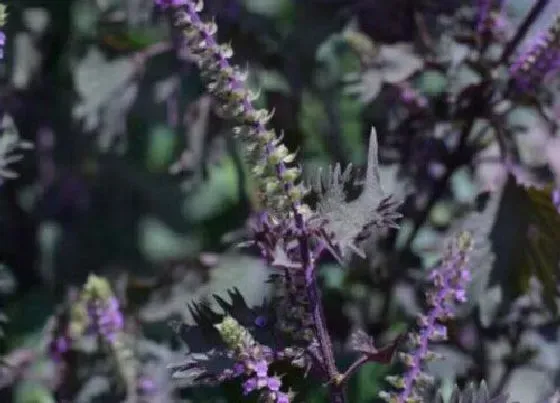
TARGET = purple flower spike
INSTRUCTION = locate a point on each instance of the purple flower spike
(449, 280)
(540, 61)
(3, 16)
(106, 318)
(99, 312)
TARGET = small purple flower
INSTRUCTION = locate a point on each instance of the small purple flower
(252, 359)
(249, 385)
(98, 311)
(59, 346)
(238, 369)
(260, 321)
(105, 318)
(261, 368)
(411, 98)
(274, 383)
(146, 386)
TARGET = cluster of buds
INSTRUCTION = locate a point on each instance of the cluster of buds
(294, 318)
(252, 361)
(449, 282)
(540, 61)
(275, 179)
(279, 246)
(97, 312)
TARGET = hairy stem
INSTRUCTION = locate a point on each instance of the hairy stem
(353, 368)
(319, 323)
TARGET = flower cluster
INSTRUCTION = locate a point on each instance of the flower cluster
(541, 60)
(253, 360)
(240, 343)
(449, 280)
(275, 180)
(97, 312)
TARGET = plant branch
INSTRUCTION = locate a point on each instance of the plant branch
(356, 365)
(536, 10)
(321, 331)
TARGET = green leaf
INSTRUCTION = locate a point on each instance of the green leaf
(27, 316)
(269, 8)
(160, 149)
(159, 243)
(132, 39)
(216, 195)
(312, 122)
(525, 238)
(32, 392)
(271, 80)
(432, 83)
(333, 276)
(328, 57)
(368, 383)
(350, 111)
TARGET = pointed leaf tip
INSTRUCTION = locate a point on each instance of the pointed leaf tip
(372, 175)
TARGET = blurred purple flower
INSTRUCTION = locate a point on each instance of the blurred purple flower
(539, 61)
(59, 346)
(556, 199)
(146, 386)
(488, 16)
(105, 318)
(2, 44)
(170, 3)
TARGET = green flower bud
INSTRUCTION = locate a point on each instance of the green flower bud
(396, 381)
(233, 334)
(97, 288)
